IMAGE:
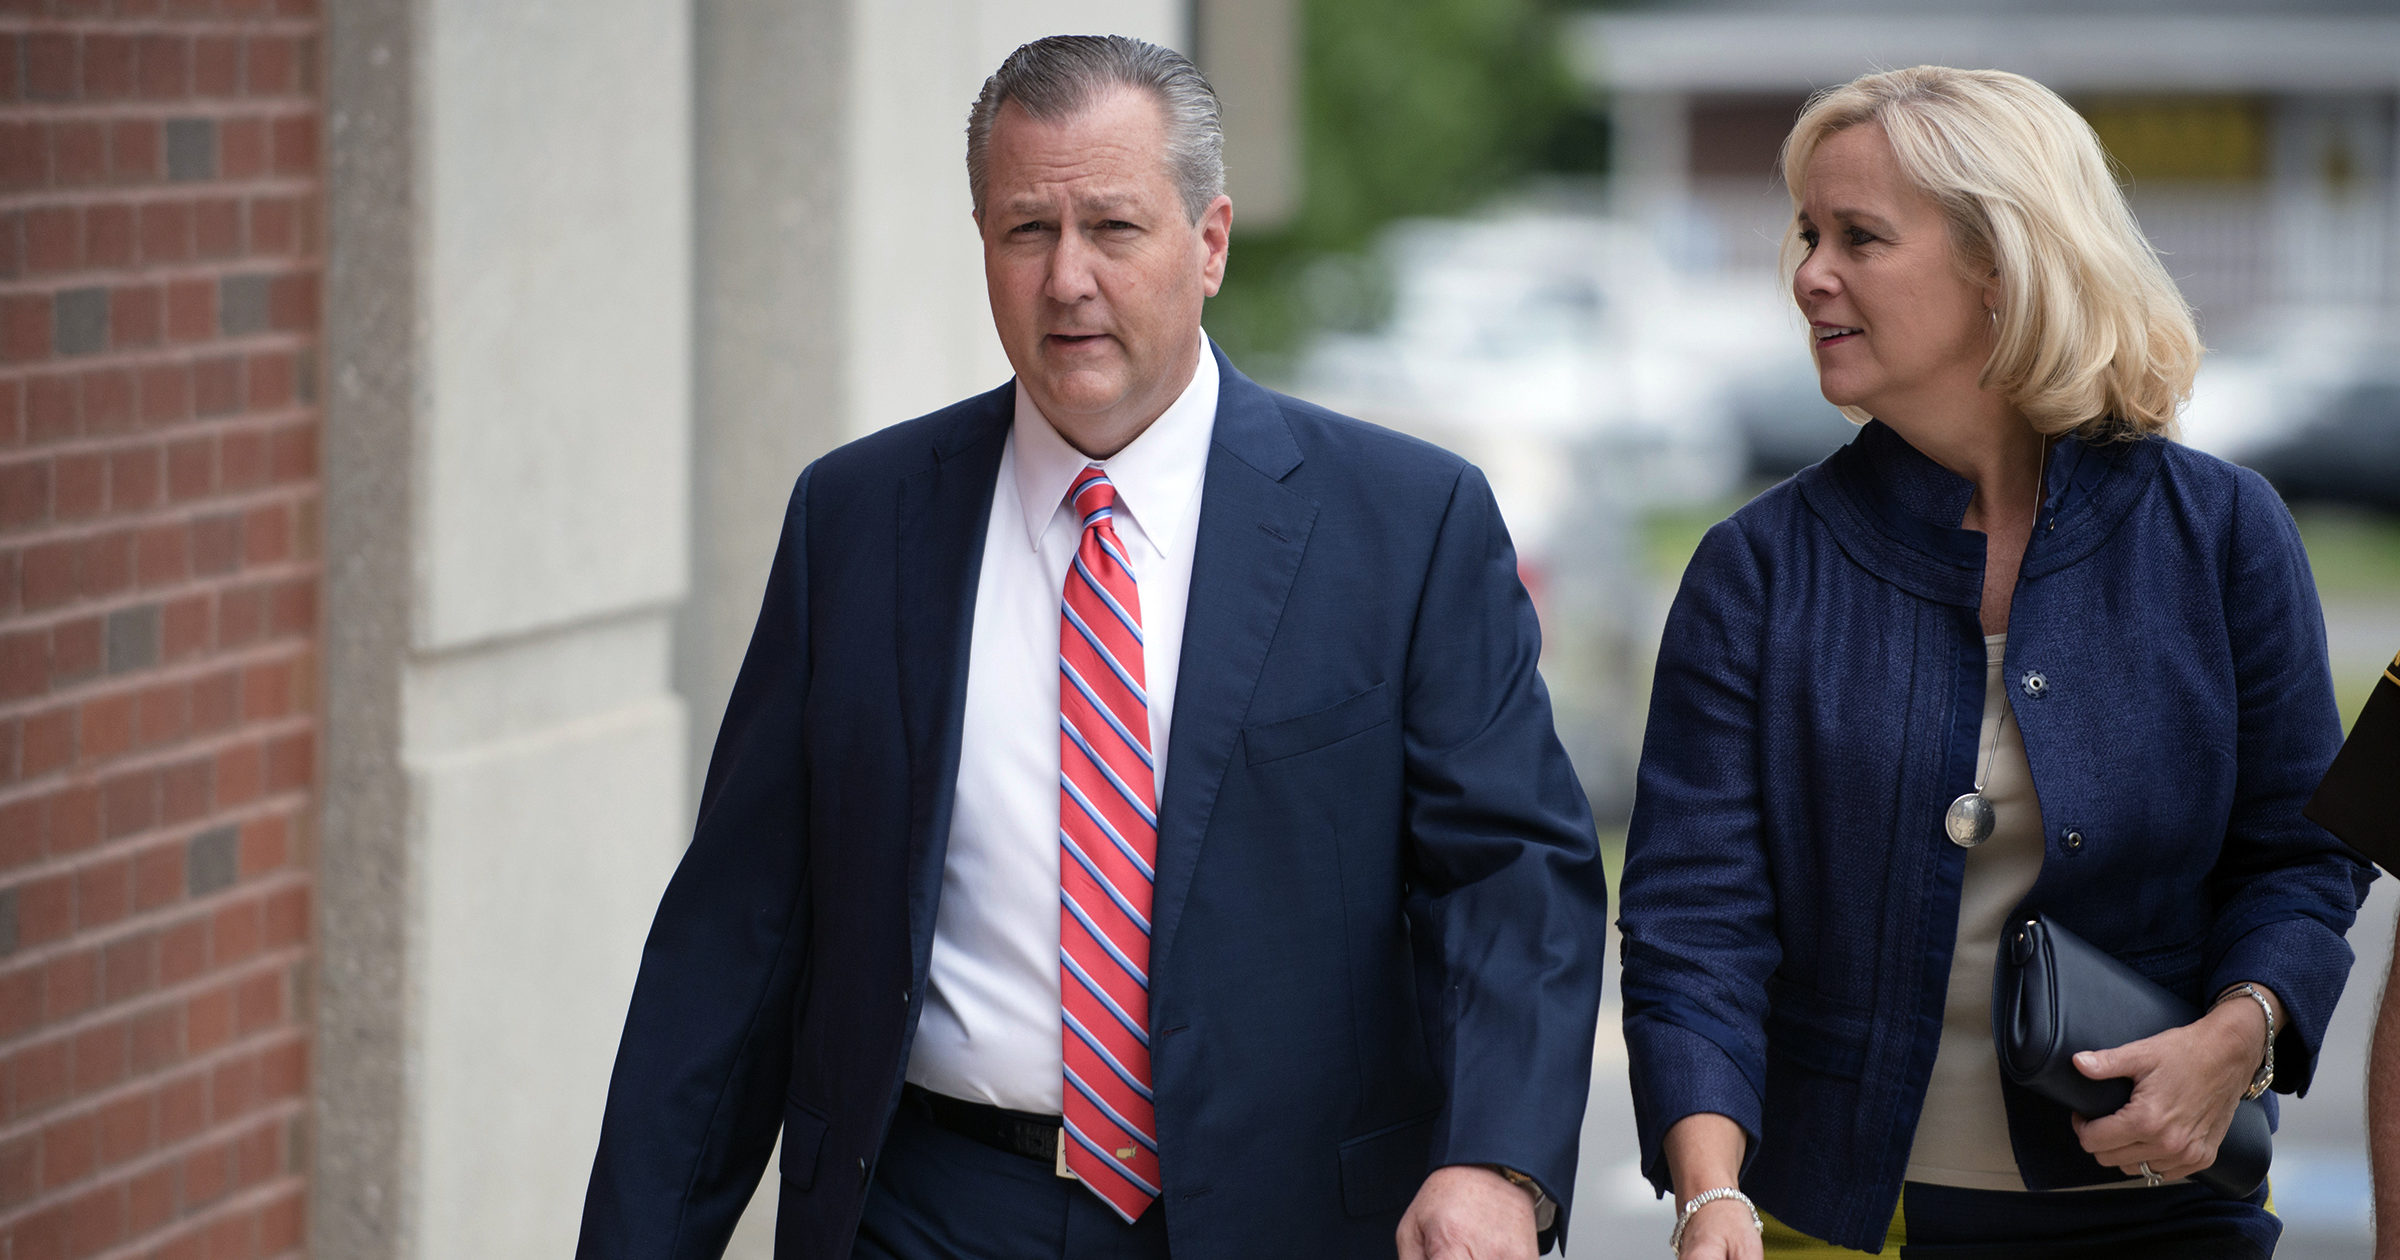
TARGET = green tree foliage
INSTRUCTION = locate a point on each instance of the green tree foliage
(1410, 107)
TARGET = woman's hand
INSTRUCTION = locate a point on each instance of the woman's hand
(1721, 1231)
(2186, 1083)
(1704, 1151)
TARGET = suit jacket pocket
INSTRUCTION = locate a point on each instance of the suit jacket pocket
(1382, 1170)
(1273, 741)
(803, 1139)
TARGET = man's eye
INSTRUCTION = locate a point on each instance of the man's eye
(1028, 229)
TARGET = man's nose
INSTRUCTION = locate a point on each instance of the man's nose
(1070, 276)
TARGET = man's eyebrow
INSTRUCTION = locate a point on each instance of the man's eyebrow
(1098, 203)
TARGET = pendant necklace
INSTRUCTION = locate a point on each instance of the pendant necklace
(1970, 819)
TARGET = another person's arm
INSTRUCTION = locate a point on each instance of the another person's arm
(2383, 1113)
(1507, 903)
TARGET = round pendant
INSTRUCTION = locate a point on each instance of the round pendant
(1970, 820)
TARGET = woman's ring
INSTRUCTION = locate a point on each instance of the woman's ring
(2150, 1178)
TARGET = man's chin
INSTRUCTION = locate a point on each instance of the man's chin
(1078, 394)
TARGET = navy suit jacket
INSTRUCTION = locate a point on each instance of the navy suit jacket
(1379, 908)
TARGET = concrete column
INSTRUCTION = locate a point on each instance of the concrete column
(508, 335)
(921, 327)
(1250, 51)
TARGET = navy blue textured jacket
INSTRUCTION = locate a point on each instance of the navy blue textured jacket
(1379, 906)
(1791, 903)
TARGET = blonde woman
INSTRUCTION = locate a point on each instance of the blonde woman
(2012, 650)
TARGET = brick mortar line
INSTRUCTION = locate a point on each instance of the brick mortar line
(189, 670)
(181, 270)
(161, 274)
(250, 1198)
(52, 618)
(216, 503)
(145, 193)
(152, 760)
(152, 356)
(158, 759)
(74, 109)
(275, 266)
(143, 1084)
(164, 433)
(155, 356)
(235, 974)
(45, 24)
(135, 922)
(133, 678)
(291, 804)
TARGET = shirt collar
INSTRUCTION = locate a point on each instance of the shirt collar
(1156, 475)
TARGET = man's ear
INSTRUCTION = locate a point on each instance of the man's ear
(1216, 236)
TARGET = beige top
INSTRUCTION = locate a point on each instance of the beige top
(1962, 1137)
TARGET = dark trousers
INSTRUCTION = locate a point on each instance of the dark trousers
(2186, 1222)
(940, 1196)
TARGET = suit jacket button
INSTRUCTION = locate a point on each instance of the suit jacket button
(862, 1165)
(2035, 685)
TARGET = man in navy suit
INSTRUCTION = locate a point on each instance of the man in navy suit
(1137, 828)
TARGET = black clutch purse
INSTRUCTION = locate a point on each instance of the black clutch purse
(2055, 996)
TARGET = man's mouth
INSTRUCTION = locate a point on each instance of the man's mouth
(1077, 339)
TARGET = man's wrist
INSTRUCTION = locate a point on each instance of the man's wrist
(1545, 1210)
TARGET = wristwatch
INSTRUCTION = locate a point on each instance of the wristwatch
(1544, 1211)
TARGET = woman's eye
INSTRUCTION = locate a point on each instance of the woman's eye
(1808, 237)
(1858, 236)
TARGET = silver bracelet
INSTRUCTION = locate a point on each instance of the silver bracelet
(2265, 1076)
(1703, 1199)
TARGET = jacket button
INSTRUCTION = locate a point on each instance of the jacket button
(2034, 684)
(2074, 840)
(862, 1165)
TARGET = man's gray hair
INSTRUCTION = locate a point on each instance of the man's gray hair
(1053, 78)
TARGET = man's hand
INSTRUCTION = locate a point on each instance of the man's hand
(1468, 1213)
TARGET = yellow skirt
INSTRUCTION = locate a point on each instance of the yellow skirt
(1786, 1243)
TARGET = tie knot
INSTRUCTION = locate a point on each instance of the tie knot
(1094, 497)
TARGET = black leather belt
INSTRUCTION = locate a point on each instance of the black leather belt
(1017, 1132)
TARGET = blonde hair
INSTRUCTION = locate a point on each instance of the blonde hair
(2093, 337)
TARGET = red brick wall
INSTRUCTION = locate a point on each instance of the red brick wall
(159, 499)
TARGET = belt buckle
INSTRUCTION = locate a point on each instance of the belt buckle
(1061, 1166)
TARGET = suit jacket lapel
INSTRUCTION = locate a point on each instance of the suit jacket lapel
(942, 511)
(1253, 530)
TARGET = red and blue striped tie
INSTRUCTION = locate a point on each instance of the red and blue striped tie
(1107, 849)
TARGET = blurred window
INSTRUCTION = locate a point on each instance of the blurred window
(1741, 135)
(2183, 137)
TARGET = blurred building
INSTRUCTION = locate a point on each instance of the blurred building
(398, 401)
(2259, 142)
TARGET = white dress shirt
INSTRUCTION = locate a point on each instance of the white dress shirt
(990, 1027)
